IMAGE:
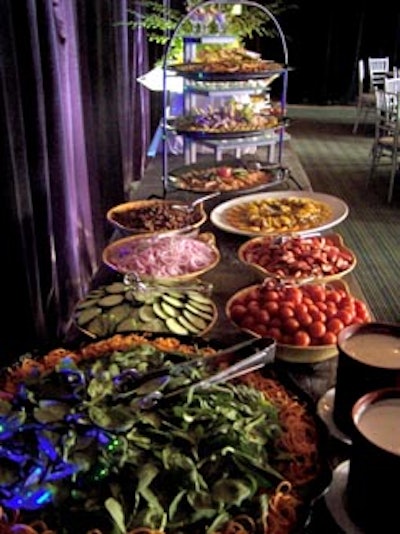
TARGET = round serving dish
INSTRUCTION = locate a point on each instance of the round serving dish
(155, 216)
(279, 213)
(293, 316)
(119, 308)
(319, 258)
(170, 258)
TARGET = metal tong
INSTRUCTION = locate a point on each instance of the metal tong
(136, 284)
(234, 362)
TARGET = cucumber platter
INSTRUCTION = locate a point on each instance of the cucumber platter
(117, 308)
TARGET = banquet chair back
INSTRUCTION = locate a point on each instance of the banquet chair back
(392, 85)
(378, 70)
(387, 136)
(365, 103)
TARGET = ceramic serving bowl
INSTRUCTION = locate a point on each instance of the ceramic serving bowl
(155, 216)
(118, 308)
(167, 258)
(304, 325)
(318, 258)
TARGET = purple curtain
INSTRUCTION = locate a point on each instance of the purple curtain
(67, 102)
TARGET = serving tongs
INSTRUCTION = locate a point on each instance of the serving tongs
(133, 281)
(149, 389)
(189, 207)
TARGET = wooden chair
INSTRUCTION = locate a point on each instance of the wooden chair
(378, 70)
(386, 141)
(365, 98)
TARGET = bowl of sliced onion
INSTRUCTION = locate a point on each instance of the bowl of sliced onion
(168, 257)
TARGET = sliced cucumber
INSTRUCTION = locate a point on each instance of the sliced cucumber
(86, 315)
(198, 297)
(171, 311)
(196, 320)
(110, 300)
(119, 313)
(98, 326)
(203, 306)
(146, 313)
(205, 315)
(188, 325)
(176, 294)
(173, 301)
(158, 325)
(174, 326)
(159, 311)
(116, 287)
(127, 325)
(87, 303)
(148, 297)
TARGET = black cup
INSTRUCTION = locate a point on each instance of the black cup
(372, 496)
(368, 364)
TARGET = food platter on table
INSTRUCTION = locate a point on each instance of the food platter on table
(292, 314)
(94, 395)
(299, 259)
(226, 176)
(127, 306)
(152, 216)
(279, 213)
(168, 257)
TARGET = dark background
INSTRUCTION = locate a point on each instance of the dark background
(325, 41)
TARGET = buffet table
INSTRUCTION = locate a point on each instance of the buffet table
(231, 275)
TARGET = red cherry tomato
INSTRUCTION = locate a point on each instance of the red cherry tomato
(346, 316)
(334, 325)
(224, 172)
(285, 311)
(301, 308)
(276, 322)
(362, 311)
(304, 318)
(293, 294)
(253, 294)
(331, 310)
(263, 316)
(271, 295)
(317, 329)
(274, 333)
(237, 311)
(253, 306)
(271, 306)
(329, 338)
(301, 338)
(316, 292)
(260, 329)
(318, 315)
(248, 322)
(291, 325)
(333, 296)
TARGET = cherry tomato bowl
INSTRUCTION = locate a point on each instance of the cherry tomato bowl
(305, 320)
